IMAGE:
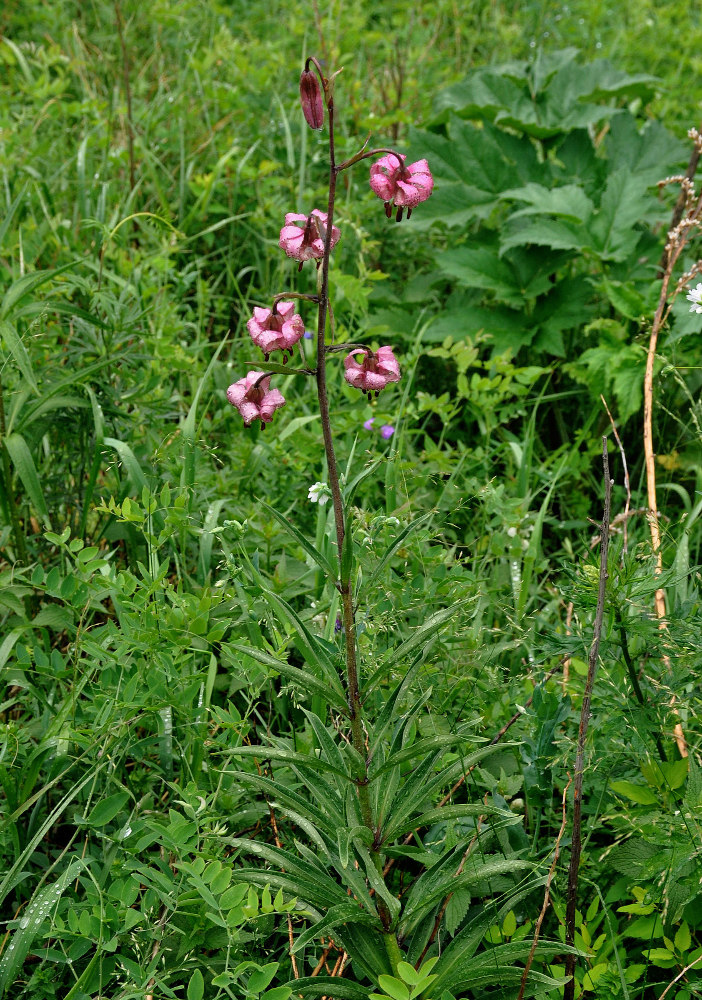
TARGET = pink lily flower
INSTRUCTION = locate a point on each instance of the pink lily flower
(396, 184)
(374, 371)
(254, 399)
(302, 237)
(276, 329)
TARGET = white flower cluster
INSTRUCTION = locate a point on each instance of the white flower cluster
(319, 493)
(695, 296)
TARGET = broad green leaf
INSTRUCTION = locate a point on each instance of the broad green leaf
(26, 470)
(478, 267)
(568, 202)
(615, 228)
(641, 794)
(261, 978)
(107, 809)
(558, 234)
(471, 166)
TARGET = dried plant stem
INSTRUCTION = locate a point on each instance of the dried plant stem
(677, 239)
(127, 94)
(576, 842)
(679, 976)
(547, 895)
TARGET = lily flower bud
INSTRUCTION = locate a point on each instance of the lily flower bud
(311, 100)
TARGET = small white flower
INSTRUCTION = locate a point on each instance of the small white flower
(695, 296)
(511, 532)
(319, 493)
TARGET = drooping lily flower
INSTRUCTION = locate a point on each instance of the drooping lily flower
(302, 237)
(374, 371)
(276, 329)
(254, 398)
(401, 186)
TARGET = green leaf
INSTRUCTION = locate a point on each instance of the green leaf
(641, 794)
(341, 913)
(420, 637)
(13, 343)
(394, 988)
(482, 268)
(272, 366)
(568, 202)
(615, 229)
(683, 939)
(259, 980)
(302, 539)
(338, 987)
(307, 681)
(27, 284)
(196, 986)
(107, 809)
(26, 470)
(471, 166)
(129, 460)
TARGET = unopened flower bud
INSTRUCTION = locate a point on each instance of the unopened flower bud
(311, 99)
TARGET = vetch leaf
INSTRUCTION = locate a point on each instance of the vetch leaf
(196, 986)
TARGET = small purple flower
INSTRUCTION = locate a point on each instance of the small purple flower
(368, 424)
(387, 431)
(338, 627)
(308, 335)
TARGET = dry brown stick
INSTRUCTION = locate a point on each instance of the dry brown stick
(547, 896)
(576, 843)
(321, 963)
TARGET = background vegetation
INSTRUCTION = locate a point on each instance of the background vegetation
(152, 607)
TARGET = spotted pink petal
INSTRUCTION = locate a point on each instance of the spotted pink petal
(401, 185)
(374, 371)
(254, 399)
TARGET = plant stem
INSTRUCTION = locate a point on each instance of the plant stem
(576, 841)
(344, 585)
